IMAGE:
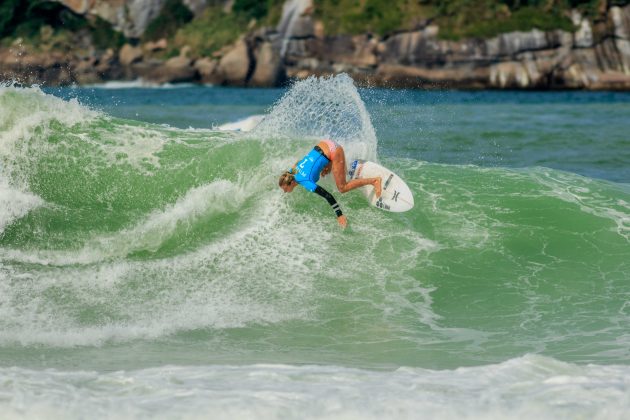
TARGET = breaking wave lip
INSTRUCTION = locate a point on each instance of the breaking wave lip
(15, 204)
(530, 386)
(219, 196)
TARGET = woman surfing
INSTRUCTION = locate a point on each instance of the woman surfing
(327, 156)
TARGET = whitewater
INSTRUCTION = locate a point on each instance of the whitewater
(150, 267)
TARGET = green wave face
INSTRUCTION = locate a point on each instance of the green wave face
(119, 234)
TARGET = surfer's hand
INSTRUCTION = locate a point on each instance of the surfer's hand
(326, 170)
(343, 222)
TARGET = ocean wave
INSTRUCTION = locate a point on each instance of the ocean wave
(521, 388)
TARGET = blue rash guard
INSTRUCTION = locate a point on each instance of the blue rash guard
(308, 170)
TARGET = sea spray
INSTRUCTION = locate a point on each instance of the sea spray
(326, 107)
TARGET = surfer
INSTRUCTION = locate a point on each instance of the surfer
(327, 156)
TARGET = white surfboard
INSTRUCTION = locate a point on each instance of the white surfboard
(396, 195)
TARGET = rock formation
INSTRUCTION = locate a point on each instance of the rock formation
(520, 60)
(131, 17)
(592, 57)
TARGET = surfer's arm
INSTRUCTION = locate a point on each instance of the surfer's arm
(333, 203)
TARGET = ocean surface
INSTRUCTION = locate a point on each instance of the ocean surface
(150, 267)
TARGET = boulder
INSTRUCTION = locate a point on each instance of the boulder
(573, 77)
(235, 64)
(153, 46)
(85, 71)
(208, 70)
(509, 74)
(129, 55)
(174, 70)
(269, 70)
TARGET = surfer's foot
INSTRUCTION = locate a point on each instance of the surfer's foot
(377, 187)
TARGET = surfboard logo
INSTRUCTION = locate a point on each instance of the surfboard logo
(352, 169)
(395, 196)
(389, 179)
(381, 205)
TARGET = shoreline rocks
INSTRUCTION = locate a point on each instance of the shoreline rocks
(592, 58)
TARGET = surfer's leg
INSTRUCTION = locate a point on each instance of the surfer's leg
(339, 172)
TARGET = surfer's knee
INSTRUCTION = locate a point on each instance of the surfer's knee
(343, 188)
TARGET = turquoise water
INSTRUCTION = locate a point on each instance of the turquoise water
(150, 266)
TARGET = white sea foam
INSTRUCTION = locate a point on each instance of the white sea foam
(244, 125)
(523, 388)
(15, 204)
(240, 278)
(28, 117)
(217, 197)
(25, 110)
(137, 84)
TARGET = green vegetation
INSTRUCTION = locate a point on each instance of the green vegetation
(45, 24)
(376, 16)
(25, 18)
(255, 9)
(172, 16)
(216, 28)
(8, 9)
(104, 36)
(456, 18)
(488, 18)
(266, 12)
(211, 31)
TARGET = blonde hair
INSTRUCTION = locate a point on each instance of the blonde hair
(286, 179)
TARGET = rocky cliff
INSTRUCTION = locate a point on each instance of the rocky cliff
(594, 56)
(131, 17)
(521, 60)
